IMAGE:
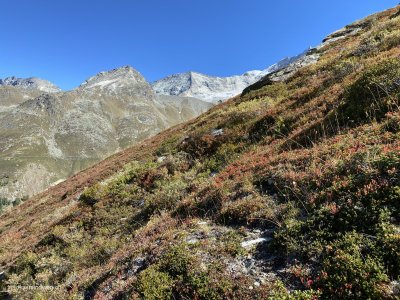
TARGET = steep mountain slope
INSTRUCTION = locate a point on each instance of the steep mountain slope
(289, 191)
(52, 136)
(32, 83)
(213, 89)
(11, 96)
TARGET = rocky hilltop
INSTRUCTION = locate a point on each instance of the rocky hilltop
(47, 137)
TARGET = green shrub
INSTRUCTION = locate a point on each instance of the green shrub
(232, 244)
(92, 195)
(391, 40)
(200, 146)
(17, 201)
(277, 127)
(250, 211)
(27, 263)
(155, 285)
(344, 68)
(279, 292)
(176, 260)
(374, 94)
(349, 272)
(167, 195)
(4, 202)
(168, 147)
(200, 287)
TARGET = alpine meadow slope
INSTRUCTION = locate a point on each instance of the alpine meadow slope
(290, 190)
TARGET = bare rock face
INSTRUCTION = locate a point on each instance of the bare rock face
(55, 135)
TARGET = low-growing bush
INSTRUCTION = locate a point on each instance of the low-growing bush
(92, 195)
(155, 285)
(277, 127)
(374, 94)
(199, 146)
(350, 272)
(250, 211)
(344, 68)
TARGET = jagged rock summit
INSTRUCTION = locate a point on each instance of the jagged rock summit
(31, 83)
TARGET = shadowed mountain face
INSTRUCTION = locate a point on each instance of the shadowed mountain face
(48, 137)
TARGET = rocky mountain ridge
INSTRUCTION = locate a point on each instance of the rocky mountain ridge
(47, 137)
(31, 83)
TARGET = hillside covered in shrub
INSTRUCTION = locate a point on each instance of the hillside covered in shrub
(288, 191)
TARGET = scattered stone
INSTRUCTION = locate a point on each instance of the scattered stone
(395, 286)
(136, 266)
(192, 241)
(217, 132)
(250, 243)
(161, 159)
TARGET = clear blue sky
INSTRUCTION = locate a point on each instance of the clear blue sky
(66, 41)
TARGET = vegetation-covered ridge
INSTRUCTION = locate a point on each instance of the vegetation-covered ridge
(290, 191)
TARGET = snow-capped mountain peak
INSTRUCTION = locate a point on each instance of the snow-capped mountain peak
(211, 88)
(204, 87)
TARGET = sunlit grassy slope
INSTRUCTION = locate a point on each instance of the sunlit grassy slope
(306, 171)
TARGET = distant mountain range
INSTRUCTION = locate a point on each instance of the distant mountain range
(48, 135)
